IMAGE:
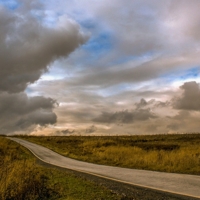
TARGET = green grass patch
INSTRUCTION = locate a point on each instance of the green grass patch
(178, 153)
(22, 178)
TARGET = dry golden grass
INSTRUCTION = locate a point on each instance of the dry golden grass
(19, 177)
(22, 179)
(168, 153)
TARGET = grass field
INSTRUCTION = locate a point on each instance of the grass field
(21, 178)
(178, 153)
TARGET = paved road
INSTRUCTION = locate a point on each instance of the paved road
(188, 185)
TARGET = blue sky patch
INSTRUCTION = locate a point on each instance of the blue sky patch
(99, 44)
(180, 75)
(10, 4)
(87, 24)
(191, 73)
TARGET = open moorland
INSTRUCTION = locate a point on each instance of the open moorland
(178, 153)
(22, 178)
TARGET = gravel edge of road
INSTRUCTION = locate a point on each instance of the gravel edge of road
(127, 191)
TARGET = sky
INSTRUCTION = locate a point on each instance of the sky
(97, 67)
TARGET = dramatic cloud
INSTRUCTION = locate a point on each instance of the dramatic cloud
(27, 48)
(190, 99)
(19, 112)
(184, 121)
(117, 67)
(126, 116)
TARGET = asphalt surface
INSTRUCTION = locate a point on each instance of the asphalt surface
(180, 184)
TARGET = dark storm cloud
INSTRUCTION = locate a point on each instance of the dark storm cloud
(152, 104)
(18, 111)
(20, 103)
(142, 103)
(190, 99)
(27, 48)
(125, 116)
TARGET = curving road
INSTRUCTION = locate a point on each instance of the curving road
(187, 185)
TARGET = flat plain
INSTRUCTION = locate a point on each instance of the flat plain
(21, 177)
(177, 153)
